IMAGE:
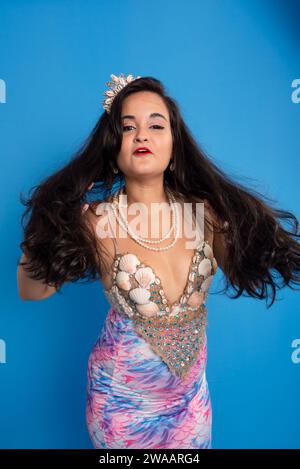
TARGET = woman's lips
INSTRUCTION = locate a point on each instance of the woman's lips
(141, 153)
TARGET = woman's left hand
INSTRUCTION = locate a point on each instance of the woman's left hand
(86, 206)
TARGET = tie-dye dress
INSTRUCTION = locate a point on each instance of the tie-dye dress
(146, 384)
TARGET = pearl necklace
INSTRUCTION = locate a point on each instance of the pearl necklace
(145, 240)
(137, 238)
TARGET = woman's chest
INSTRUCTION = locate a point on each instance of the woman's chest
(172, 266)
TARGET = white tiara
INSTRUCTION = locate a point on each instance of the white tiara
(115, 86)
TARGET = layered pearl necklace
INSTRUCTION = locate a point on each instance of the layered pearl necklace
(139, 239)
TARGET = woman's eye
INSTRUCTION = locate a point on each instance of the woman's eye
(154, 125)
(126, 127)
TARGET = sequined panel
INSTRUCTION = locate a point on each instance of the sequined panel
(176, 340)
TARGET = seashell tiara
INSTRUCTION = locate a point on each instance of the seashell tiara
(115, 86)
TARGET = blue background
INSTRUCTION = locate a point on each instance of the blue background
(230, 65)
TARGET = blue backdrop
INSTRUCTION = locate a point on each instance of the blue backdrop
(234, 68)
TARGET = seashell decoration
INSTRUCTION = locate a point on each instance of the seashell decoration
(207, 282)
(117, 301)
(123, 280)
(182, 300)
(145, 277)
(204, 267)
(196, 299)
(128, 263)
(128, 267)
(139, 295)
(192, 276)
(116, 84)
(148, 309)
(208, 251)
(195, 258)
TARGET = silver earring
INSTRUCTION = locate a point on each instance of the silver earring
(172, 166)
(115, 170)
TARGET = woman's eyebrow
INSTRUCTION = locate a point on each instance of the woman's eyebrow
(154, 114)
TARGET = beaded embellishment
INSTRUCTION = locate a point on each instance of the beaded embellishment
(175, 332)
(178, 340)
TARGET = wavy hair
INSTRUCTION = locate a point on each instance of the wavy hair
(262, 255)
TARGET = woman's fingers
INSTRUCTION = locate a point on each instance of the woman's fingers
(84, 208)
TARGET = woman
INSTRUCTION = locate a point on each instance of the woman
(147, 385)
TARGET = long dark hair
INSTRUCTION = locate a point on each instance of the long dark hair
(62, 247)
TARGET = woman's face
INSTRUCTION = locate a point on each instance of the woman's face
(144, 130)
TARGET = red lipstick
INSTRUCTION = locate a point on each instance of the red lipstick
(142, 151)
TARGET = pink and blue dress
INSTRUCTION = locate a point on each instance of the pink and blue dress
(146, 385)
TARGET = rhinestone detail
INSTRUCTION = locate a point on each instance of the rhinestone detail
(177, 340)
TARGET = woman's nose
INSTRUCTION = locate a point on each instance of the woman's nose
(140, 138)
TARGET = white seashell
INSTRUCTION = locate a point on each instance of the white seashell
(206, 284)
(123, 280)
(190, 288)
(145, 276)
(182, 300)
(140, 295)
(129, 263)
(148, 309)
(204, 267)
(109, 93)
(192, 276)
(208, 251)
(196, 299)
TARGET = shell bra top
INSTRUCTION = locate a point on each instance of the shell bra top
(174, 331)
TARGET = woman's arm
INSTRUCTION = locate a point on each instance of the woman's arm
(30, 289)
